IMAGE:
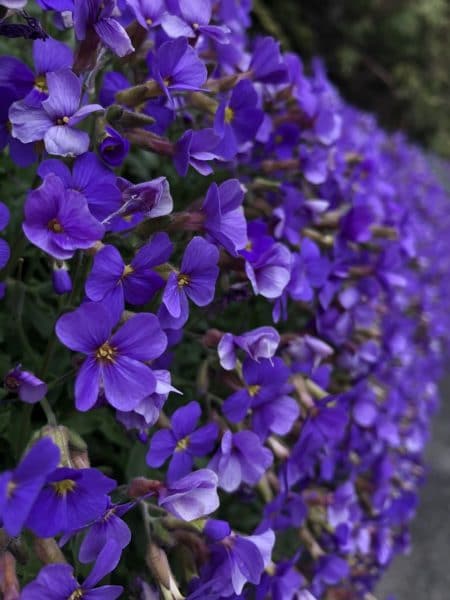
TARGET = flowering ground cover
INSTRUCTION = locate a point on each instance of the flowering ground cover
(224, 312)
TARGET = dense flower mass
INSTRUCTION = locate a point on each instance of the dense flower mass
(224, 314)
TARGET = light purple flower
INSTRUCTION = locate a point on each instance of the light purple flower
(55, 121)
(192, 496)
(258, 343)
(29, 387)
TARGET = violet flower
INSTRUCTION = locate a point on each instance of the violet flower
(95, 18)
(116, 282)
(197, 149)
(148, 12)
(4, 246)
(61, 281)
(57, 582)
(21, 154)
(115, 362)
(196, 279)
(69, 500)
(225, 221)
(176, 67)
(258, 343)
(241, 458)
(192, 496)
(29, 388)
(113, 148)
(194, 20)
(20, 488)
(89, 177)
(58, 220)
(267, 65)
(182, 442)
(55, 120)
(266, 393)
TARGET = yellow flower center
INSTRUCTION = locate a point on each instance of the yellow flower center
(64, 486)
(76, 595)
(182, 444)
(183, 280)
(128, 269)
(40, 83)
(55, 226)
(10, 488)
(149, 21)
(105, 353)
(229, 114)
(62, 121)
(253, 390)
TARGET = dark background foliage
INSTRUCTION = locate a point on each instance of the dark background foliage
(390, 57)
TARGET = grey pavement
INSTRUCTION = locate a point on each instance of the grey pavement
(425, 573)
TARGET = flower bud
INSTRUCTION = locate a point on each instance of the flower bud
(62, 283)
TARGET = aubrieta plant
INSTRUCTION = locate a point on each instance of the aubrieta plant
(224, 312)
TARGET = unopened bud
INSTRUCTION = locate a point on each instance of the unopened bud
(158, 564)
(140, 486)
(9, 584)
(48, 551)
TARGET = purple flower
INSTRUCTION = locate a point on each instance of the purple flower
(267, 64)
(237, 560)
(194, 19)
(62, 283)
(196, 148)
(192, 496)
(309, 270)
(267, 396)
(20, 488)
(148, 12)
(57, 582)
(196, 279)
(147, 411)
(93, 18)
(113, 148)
(177, 68)
(257, 343)
(149, 199)
(58, 220)
(89, 177)
(225, 221)
(22, 154)
(116, 282)
(55, 120)
(182, 442)
(69, 500)
(238, 118)
(4, 246)
(241, 458)
(268, 263)
(114, 362)
(48, 56)
(29, 387)
(107, 527)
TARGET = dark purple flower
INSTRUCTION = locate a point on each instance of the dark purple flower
(114, 362)
(196, 279)
(22, 154)
(257, 343)
(177, 68)
(95, 18)
(238, 118)
(20, 488)
(241, 458)
(224, 220)
(113, 148)
(58, 220)
(309, 271)
(57, 582)
(55, 120)
(4, 246)
(267, 396)
(116, 282)
(182, 442)
(69, 500)
(192, 496)
(48, 56)
(29, 387)
(90, 177)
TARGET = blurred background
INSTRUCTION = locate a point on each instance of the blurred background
(392, 58)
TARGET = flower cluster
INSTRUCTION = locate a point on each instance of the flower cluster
(228, 294)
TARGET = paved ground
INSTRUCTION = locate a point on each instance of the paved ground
(425, 573)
